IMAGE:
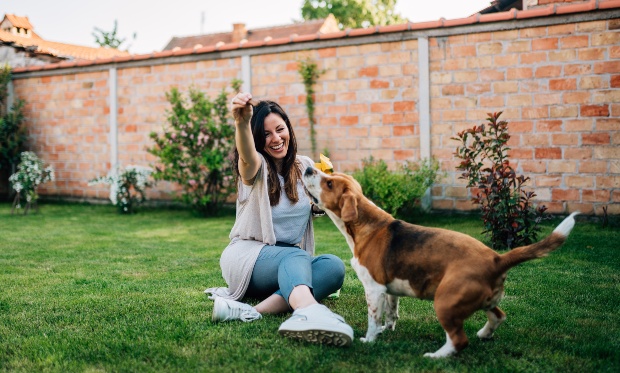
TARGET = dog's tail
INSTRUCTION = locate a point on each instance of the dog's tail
(539, 249)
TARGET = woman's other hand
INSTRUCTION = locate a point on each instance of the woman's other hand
(241, 108)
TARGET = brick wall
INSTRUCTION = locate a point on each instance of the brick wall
(558, 86)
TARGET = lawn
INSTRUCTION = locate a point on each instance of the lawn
(85, 289)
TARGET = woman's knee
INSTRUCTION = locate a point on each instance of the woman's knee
(330, 266)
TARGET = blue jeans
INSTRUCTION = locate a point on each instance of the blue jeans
(280, 268)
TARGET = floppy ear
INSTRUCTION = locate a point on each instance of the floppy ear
(348, 207)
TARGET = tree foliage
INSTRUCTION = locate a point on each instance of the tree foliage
(109, 39)
(353, 13)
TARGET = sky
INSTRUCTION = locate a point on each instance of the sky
(155, 22)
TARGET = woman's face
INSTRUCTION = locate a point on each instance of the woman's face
(276, 136)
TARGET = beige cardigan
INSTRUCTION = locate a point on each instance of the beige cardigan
(252, 230)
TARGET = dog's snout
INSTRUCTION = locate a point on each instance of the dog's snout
(309, 171)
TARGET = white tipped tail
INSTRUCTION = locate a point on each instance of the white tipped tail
(566, 225)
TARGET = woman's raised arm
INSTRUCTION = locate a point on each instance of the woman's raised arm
(249, 161)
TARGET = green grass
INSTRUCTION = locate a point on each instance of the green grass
(85, 289)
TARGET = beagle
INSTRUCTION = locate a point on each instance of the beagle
(393, 258)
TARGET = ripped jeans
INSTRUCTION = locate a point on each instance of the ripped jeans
(281, 267)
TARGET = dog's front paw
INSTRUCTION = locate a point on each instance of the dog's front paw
(368, 339)
(390, 325)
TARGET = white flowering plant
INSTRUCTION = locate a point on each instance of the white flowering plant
(127, 187)
(30, 174)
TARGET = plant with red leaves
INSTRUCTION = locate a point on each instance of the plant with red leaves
(510, 219)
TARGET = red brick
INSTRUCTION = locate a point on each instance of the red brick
(548, 153)
(615, 81)
(397, 118)
(371, 71)
(565, 139)
(379, 84)
(562, 84)
(598, 195)
(578, 153)
(579, 41)
(349, 120)
(402, 155)
(565, 194)
(380, 107)
(607, 67)
(404, 106)
(595, 138)
(453, 90)
(548, 71)
(403, 130)
(545, 44)
(549, 126)
(594, 110)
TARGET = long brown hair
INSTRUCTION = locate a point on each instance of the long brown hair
(290, 167)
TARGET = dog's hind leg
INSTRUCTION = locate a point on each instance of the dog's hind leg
(452, 309)
(496, 316)
(391, 312)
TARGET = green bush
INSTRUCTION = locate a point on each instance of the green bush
(510, 219)
(194, 150)
(12, 133)
(397, 192)
(127, 187)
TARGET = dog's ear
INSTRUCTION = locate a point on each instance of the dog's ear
(348, 207)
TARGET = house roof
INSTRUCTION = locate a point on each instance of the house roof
(18, 21)
(36, 44)
(325, 25)
(513, 14)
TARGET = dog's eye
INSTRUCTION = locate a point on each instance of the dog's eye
(329, 184)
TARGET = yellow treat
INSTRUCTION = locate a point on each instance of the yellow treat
(325, 165)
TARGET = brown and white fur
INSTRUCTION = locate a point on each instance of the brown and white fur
(393, 258)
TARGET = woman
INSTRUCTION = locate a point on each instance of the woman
(270, 255)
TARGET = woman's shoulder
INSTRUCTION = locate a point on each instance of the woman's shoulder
(305, 161)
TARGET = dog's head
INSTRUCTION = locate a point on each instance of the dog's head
(336, 193)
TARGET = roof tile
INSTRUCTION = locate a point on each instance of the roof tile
(608, 4)
(539, 12)
(363, 31)
(501, 16)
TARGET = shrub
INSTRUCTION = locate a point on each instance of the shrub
(12, 133)
(397, 192)
(510, 219)
(127, 187)
(194, 151)
(30, 174)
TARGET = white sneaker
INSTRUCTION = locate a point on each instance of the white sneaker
(317, 324)
(227, 310)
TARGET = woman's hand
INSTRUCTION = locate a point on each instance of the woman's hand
(241, 108)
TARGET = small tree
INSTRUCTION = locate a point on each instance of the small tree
(510, 219)
(397, 192)
(194, 150)
(109, 39)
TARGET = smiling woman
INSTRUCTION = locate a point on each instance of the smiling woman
(271, 254)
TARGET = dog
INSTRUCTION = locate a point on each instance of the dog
(393, 259)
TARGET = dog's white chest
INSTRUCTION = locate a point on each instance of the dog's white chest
(402, 288)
